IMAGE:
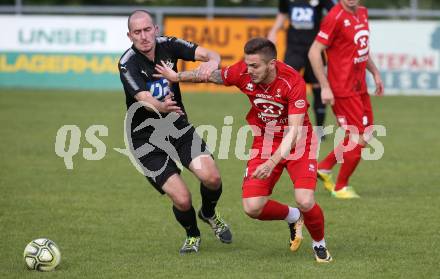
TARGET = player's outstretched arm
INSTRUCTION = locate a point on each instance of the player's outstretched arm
(187, 76)
(216, 77)
(210, 59)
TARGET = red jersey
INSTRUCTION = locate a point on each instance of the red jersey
(346, 35)
(271, 103)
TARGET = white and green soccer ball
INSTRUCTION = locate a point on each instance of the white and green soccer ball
(42, 254)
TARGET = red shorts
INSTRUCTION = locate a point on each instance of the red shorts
(354, 111)
(302, 172)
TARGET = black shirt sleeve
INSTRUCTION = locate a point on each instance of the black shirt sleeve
(131, 78)
(182, 49)
(283, 6)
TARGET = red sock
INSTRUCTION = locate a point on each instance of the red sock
(314, 221)
(273, 210)
(330, 161)
(351, 160)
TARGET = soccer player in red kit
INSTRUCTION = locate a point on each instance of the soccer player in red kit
(283, 135)
(344, 35)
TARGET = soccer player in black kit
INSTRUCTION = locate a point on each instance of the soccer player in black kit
(160, 132)
(304, 21)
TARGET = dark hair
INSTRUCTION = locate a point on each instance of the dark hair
(261, 46)
(136, 12)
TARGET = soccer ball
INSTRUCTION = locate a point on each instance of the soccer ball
(42, 254)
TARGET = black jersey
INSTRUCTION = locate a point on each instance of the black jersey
(304, 17)
(136, 73)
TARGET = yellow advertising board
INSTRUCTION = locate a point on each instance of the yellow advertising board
(227, 36)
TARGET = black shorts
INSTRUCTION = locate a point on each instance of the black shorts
(297, 58)
(159, 165)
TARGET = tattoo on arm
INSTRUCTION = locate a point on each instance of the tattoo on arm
(193, 76)
(216, 77)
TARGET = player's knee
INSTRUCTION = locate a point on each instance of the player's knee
(212, 180)
(183, 203)
(305, 203)
(252, 210)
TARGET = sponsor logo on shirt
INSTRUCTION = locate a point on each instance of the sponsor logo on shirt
(259, 95)
(361, 40)
(360, 59)
(269, 108)
(302, 17)
(159, 88)
(300, 104)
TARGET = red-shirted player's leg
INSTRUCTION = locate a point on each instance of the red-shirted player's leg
(330, 160)
(262, 208)
(313, 216)
(362, 118)
(314, 221)
(256, 193)
(351, 160)
(303, 175)
(258, 205)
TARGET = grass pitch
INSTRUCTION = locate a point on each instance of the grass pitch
(110, 223)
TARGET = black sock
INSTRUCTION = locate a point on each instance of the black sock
(209, 200)
(188, 221)
(318, 107)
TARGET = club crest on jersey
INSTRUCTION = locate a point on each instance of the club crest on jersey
(346, 23)
(250, 87)
(169, 63)
(278, 94)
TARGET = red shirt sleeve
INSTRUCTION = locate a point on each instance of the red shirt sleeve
(231, 74)
(297, 98)
(328, 30)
